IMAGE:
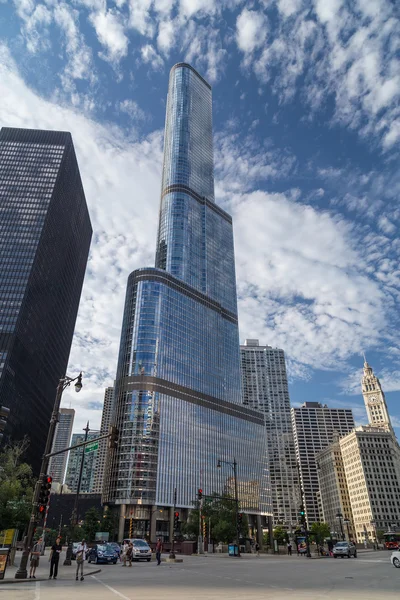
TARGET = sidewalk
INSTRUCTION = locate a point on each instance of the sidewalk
(43, 570)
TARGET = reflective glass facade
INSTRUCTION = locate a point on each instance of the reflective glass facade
(178, 400)
(45, 235)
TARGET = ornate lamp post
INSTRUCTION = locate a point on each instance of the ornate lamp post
(339, 516)
(234, 466)
(22, 572)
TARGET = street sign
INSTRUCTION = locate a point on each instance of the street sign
(91, 447)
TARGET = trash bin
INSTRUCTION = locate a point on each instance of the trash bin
(3, 561)
(233, 550)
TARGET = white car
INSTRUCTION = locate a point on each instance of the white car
(395, 559)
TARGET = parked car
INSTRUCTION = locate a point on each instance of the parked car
(102, 553)
(74, 549)
(344, 549)
(116, 547)
(141, 549)
(395, 559)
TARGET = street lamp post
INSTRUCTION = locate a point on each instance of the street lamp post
(22, 572)
(347, 523)
(74, 516)
(340, 517)
(234, 466)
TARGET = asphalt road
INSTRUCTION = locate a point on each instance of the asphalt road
(369, 577)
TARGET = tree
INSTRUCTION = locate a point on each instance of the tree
(280, 534)
(220, 514)
(110, 523)
(91, 524)
(320, 531)
(16, 486)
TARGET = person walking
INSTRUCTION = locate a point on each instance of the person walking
(35, 555)
(54, 558)
(257, 546)
(158, 551)
(80, 558)
(124, 553)
(129, 554)
(289, 549)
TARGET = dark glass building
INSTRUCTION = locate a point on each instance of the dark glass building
(45, 235)
(178, 397)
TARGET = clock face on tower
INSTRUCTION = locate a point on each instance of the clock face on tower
(373, 399)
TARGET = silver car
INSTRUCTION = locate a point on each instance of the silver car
(395, 559)
(344, 549)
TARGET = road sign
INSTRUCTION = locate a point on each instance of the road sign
(91, 447)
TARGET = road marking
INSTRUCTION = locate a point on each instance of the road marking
(37, 590)
(110, 588)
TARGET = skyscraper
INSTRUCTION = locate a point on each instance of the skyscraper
(103, 444)
(265, 387)
(45, 235)
(62, 438)
(178, 401)
(314, 428)
(74, 464)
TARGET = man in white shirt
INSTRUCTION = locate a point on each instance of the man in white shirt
(80, 558)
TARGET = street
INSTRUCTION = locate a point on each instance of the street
(369, 577)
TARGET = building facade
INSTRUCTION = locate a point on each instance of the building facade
(334, 492)
(371, 460)
(45, 234)
(103, 444)
(314, 427)
(178, 397)
(74, 465)
(265, 388)
(62, 440)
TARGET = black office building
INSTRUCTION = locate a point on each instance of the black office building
(45, 235)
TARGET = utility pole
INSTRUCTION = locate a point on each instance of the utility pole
(74, 516)
(172, 553)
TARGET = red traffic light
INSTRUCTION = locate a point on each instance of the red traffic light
(42, 508)
(48, 479)
(200, 491)
(176, 514)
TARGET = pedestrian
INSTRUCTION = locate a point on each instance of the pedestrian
(289, 549)
(80, 558)
(55, 552)
(124, 552)
(257, 549)
(35, 554)
(129, 554)
(158, 551)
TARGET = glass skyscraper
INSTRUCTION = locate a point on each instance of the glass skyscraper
(178, 402)
(45, 234)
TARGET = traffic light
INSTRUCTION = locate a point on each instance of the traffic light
(199, 494)
(113, 432)
(4, 414)
(44, 493)
(176, 521)
(302, 514)
(240, 518)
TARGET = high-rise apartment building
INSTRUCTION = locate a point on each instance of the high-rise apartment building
(178, 396)
(74, 464)
(265, 388)
(62, 439)
(335, 501)
(103, 444)
(371, 460)
(314, 427)
(45, 235)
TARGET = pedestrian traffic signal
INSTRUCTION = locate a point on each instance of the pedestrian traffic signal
(113, 433)
(176, 521)
(44, 493)
(199, 494)
(4, 414)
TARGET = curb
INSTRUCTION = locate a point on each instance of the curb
(13, 580)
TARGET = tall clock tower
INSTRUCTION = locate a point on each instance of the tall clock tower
(374, 399)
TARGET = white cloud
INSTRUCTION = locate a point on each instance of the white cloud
(251, 30)
(111, 34)
(190, 8)
(166, 36)
(140, 18)
(150, 56)
(131, 108)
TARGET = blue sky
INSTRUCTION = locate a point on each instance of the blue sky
(307, 128)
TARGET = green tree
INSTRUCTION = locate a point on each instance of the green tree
(110, 523)
(16, 486)
(320, 531)
(91, 524)
(280, 534)
(220, 514)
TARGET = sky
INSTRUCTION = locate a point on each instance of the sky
(306, 119)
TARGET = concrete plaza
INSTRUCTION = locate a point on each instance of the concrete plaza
(369, 577)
